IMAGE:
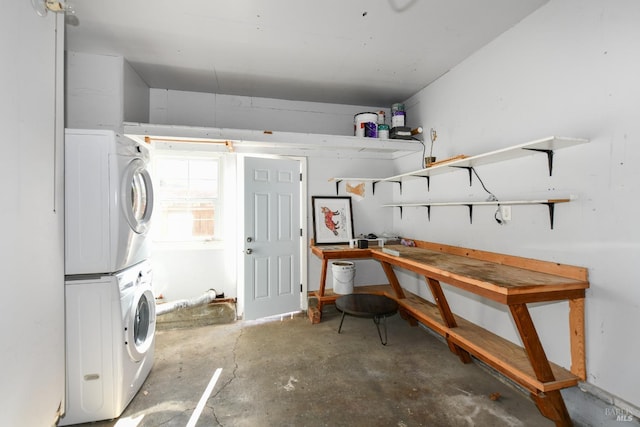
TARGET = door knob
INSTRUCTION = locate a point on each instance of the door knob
(249, 251)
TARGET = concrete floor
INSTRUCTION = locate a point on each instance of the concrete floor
(292, 373)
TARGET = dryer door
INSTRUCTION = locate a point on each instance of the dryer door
(141, 324)
(137, 196)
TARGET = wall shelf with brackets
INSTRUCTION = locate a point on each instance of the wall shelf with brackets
(550, 203)
(273, 142)
(545, 145)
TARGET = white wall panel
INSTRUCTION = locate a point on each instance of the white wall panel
(569, 69)
(32, 215)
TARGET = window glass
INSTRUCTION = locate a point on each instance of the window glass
(187, 193)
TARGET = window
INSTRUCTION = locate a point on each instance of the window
(186, 197)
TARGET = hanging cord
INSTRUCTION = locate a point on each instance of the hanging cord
(492, 198)
(433, 136)
(424, 150)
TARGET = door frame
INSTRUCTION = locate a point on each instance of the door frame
(240, 258)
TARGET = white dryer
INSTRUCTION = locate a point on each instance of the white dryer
(108, 202)
(109, 342)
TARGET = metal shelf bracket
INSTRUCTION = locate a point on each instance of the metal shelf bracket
(549, 154)
(338, 187)
(469, 169)
(470, 213)
(551, 206)
(428, 178)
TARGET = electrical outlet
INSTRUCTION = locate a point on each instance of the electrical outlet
(505, 213)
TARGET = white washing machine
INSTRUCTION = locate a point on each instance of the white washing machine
(108, 202)
(110, 342)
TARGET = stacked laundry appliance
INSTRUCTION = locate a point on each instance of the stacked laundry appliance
(110, 306)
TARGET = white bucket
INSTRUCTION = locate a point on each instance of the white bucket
(343, 274)
(364, 124)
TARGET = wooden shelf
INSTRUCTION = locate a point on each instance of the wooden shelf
(550, 203)
(545, 145)
(504, 356)
(274, 142)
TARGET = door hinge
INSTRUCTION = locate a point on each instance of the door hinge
(300, 176)
(300, 287)
(301, 232)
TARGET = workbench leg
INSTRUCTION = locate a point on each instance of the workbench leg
(447, 317)
(323, 281)
(576, 330)
(550, 404)
(393, 279)
(407, 317)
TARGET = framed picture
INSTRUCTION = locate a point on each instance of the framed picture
(332, 220)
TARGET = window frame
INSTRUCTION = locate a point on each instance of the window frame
(165, 153)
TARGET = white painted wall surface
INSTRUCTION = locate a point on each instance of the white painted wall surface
(569, 69)
(102, 91)
(135, 96)
(31, 214)
(94, 96)
(172, 107)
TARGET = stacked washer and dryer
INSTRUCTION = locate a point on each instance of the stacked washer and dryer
(110, 306)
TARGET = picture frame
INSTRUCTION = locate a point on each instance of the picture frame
(332, 220)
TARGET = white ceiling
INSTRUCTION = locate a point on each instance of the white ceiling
(358, 52)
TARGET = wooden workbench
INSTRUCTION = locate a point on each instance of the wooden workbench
(509, 280)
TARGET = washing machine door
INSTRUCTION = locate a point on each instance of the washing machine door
(137, 196)
(141, 325)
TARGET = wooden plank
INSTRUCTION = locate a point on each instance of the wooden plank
(393, 280)
(441, 302)
(551, 405)
(506, 357)
(563, 270)
(531, 341)
(576, 331)
(485, 278)
(339, 252)
(323, 279)
(314, 315)
(447, 317)
(450, 159)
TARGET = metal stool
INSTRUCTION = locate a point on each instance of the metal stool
(376, 307)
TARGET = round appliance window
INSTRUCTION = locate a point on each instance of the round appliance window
(137, 196)
(141, 321)
(141, 324)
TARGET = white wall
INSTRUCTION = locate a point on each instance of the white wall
(102, 91)
(135, 97)
(31, 214)
(570, 69)
(172, 107)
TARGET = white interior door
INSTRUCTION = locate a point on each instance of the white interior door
(272, 236)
